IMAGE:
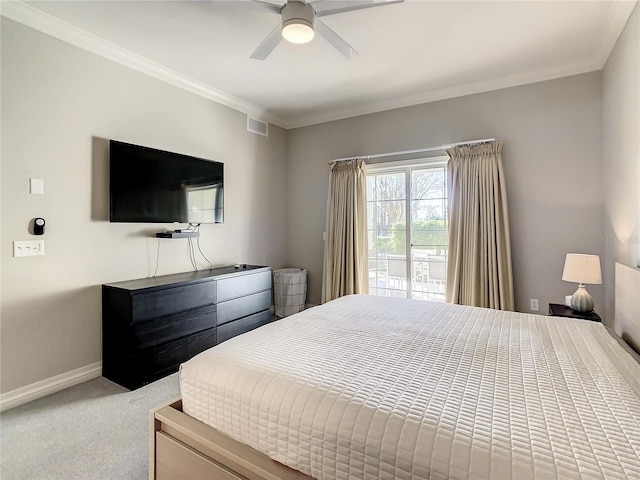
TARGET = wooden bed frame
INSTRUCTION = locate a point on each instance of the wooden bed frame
(181, 447)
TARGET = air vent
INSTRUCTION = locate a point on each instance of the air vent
(256, 126)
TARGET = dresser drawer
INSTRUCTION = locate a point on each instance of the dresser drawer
(159, 330)
(241, 285)
(149, 364)
(241, 307)
(231, 329)
(164, 302)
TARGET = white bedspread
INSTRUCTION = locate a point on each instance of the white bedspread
(367, 387)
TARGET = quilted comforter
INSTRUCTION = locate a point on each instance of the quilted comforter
(366, 387)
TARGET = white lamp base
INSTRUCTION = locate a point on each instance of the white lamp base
(582, 301)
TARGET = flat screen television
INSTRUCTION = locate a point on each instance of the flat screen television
(153, 186)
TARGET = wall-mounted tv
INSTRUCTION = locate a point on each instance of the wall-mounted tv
(153, 186)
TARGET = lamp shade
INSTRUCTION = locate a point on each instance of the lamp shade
(582, 268)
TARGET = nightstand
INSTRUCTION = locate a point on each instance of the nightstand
(557, 310)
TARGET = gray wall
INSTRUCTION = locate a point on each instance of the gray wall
(552, 133)
(621, 159)
(59, 103)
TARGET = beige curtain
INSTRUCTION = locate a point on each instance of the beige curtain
(346, 241)
(479, 265)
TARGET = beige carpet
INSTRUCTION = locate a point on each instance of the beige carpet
(96, 430)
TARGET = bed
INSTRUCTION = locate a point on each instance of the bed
(376, 388)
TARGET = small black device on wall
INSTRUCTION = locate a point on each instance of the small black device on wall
(38, 226)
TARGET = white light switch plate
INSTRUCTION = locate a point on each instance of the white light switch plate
(36, 186)
(28, 248)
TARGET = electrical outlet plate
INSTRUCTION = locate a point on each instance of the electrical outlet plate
(534, 305)
(28, 248)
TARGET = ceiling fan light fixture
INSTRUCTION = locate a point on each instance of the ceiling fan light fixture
(297, 22)
(297, 32)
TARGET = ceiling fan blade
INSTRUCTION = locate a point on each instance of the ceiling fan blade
(274, 6)
(331, 7)
(268, 44)
(334, 39)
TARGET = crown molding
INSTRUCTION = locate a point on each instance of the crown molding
(447, 93)
(20, 12)
(619, 13)
(52, 26)
(617, 19)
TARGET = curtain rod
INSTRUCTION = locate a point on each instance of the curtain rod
(419, 150)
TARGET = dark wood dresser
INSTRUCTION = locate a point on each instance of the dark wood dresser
(150, 326)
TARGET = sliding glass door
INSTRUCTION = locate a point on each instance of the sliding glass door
(407, 230)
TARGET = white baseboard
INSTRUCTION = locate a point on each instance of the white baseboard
(40, 389)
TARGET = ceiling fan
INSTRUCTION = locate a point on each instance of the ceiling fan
(301, 19)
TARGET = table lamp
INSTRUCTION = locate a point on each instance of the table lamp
(582, 268)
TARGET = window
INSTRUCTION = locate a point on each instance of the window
(407, 230)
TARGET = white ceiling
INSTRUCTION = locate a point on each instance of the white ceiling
(410, 53)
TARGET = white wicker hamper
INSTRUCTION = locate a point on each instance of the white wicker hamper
(290, 290)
